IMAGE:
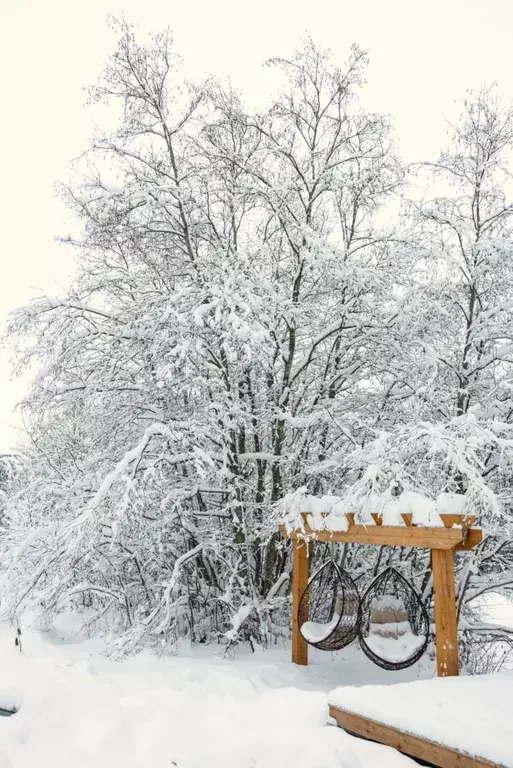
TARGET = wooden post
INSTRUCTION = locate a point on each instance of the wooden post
(299, 583)
(446, 622)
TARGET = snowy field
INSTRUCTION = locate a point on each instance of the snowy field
(194, 710)
(197, 709)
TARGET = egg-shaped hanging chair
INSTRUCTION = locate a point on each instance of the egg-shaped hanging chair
(329, 609)
(394, 623)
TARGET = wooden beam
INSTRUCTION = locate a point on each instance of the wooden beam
(393, 535)
(415, 746)
(473, 538)
(446, 622)
(299, 584)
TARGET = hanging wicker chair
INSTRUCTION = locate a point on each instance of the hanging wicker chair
(329, 609)
(394, 624)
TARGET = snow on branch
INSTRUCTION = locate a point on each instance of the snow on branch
(170, 586)
(121, 467)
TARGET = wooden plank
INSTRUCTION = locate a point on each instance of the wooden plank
(391, 535)
(473, 538)
(446, 622)
(415, 746)
(299, 584)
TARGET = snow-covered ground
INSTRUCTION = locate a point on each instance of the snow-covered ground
(193, 710)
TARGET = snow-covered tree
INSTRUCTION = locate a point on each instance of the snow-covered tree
(7, 481)
(230, 297)
(466, 323)
(447, 418)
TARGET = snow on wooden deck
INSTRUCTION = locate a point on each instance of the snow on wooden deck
(473, 715)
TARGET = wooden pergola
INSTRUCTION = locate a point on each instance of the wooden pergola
(458, 534)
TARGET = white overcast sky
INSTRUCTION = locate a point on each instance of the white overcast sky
(425, 54)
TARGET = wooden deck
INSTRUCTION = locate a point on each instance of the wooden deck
(413, 746)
